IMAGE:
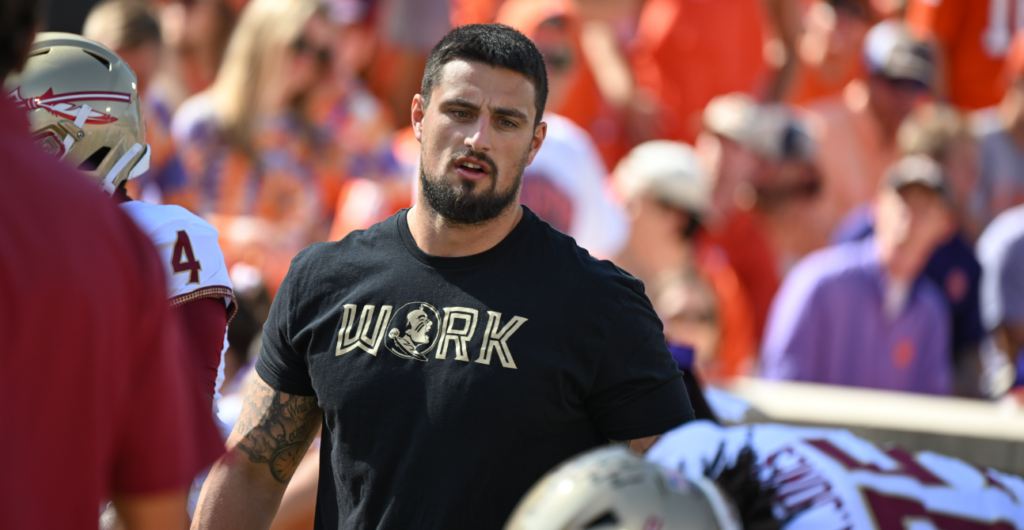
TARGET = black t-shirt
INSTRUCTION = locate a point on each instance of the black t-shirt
(450, 385)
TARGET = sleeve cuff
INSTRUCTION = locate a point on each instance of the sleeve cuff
(654, 413)
(275, 380)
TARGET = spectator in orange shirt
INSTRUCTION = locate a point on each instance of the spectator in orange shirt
(667, 195)
(787, 184)
(829, 49)
(856, 131)
(973, 37)
(599, 94)
(724, 151)
(689, 51)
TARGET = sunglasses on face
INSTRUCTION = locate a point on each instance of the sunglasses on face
(303, 47)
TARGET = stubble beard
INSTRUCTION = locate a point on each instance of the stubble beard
(457, 204)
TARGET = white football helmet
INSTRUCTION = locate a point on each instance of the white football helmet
(83, 107)
(612, 488)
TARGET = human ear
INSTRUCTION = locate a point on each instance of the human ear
(539, 133)
(419, 110)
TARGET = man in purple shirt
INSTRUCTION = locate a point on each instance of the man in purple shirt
(1001, 253)
(861, 313)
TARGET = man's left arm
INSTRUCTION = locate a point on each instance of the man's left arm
(638, 391)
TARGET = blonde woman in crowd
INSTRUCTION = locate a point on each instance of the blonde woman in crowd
(247, 142)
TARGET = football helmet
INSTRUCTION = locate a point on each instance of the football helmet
(612, 488)
(83, 107)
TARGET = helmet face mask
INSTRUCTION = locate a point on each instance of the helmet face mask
(82, 104)
(50, 141)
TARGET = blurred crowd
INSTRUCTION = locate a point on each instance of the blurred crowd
(815, 190)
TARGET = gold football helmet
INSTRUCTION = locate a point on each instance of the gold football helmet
(83, 107)
(610, 488)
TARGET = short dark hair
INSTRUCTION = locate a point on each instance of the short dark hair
(18, 20)
(494, 45)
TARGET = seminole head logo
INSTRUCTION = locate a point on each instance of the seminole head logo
(413, 331)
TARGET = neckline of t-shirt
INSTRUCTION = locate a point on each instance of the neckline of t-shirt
(529, 218)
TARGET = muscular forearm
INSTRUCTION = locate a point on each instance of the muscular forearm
(245, 486)
(238, 494)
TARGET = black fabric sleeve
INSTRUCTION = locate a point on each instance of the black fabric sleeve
(279, 365)
(638, 390)
(701, 409)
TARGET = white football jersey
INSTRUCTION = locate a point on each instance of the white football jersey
(192, 258)
(841, 481)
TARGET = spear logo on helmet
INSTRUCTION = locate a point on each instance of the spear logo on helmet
(64, 106)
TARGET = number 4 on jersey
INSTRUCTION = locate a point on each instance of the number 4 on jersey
(183, 259)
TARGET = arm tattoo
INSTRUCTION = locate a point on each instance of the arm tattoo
(276, 428)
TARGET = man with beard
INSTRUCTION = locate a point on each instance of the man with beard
(535, 351)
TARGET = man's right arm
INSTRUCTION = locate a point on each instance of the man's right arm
(245, 486)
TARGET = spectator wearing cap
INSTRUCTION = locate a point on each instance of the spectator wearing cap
(940, 132)
(1001, 151)
(856, 131)
(787, 184)
(725, 149)
(1001, 253)
(861, 313)
(667, 194)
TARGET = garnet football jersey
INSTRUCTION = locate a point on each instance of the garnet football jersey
(841, 481)
(192, 259)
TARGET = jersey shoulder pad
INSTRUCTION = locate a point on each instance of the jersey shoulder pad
(187, 245)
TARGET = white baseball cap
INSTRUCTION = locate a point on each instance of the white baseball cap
(732, 116)
(890, 50)
(667, 170)
(774, 130)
